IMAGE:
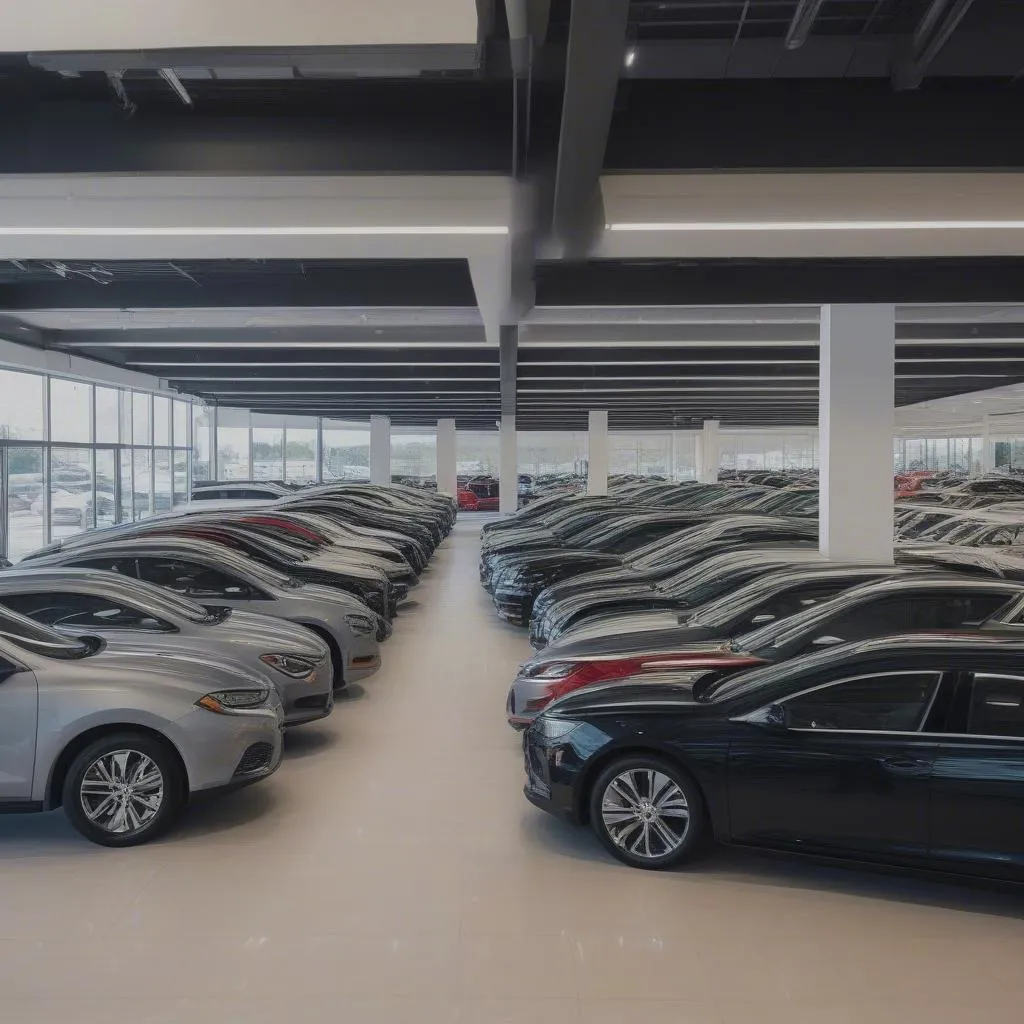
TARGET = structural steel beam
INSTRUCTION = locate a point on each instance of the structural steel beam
(597, 40)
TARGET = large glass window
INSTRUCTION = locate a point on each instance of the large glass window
(233, 453)
(300, 455)
(202, 464)
(414, 458)
(161, 481)
(161, 421)
(142, 464)
(107, 416)
(106, 471)
(346, 451)
(21, 405)
(72, 509)
(268, 453)
(181, 495)
(477, 453)
(142, 419)
(126, 486)
(551, 455)
(180, 424)
(70, 410)
(639, 454)
(26, 501)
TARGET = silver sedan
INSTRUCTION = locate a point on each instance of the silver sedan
(130, 614)
(216, 576)
(121, 739)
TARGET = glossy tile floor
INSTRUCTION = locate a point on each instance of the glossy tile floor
(392, 872)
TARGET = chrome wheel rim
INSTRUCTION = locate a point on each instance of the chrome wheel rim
(645, 813)
(122, 791)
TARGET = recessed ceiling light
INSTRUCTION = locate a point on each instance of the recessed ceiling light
(630, 57)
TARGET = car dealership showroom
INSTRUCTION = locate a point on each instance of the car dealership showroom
(512, 511)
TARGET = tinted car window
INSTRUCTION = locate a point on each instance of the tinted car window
(124, 566)
(83, 610)
(196, 581)
(896, 702)
(997, 706)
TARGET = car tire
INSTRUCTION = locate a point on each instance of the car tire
(124, 789)
(641, 802)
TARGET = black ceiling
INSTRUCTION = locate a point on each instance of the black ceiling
(678, 85)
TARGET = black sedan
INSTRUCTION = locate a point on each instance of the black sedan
(907, 750)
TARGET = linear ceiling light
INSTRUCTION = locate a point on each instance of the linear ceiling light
(223, 231)
(822, 225)
(337, 365)
(282, 343)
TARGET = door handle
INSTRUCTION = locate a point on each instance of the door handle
(905, 765)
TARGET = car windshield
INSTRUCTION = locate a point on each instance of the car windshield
(724, 609)
(713, 689)
(781, 631)
(35, 638)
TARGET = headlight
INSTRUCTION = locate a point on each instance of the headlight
(225, 702)
(289, 664)
(362, 624)
(554, 728)
(556, 670)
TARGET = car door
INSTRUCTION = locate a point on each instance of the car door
(18, 723)
(842, 768)
(978, 778)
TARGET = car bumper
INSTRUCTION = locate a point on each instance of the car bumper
(223, 751)
(513, 606)
(538, 789)
(307, 699)
(362, 659)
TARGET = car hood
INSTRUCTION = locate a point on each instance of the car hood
(644, 693)
(199, 671)
(342, 601)
(532, 561)
(680, 640)
(277, 636)
(605, 624)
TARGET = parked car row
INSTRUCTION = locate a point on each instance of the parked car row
(150, 661)
(725, 682)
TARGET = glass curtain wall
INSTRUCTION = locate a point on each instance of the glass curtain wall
(414, 457)
(760, 450)
(953, 454)
(345, 451)
(75, 456)
(476, 453)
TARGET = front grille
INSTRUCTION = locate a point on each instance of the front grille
(319, 700)
(256, 759)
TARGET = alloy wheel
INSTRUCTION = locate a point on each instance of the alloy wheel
(122, 791)
(645, 813)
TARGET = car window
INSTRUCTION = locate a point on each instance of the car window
(124, 566)
(893, 702)
(84, 610)
(195, 581)
(997, 706)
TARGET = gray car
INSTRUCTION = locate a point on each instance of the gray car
(122, 739)
(215, 576)
(130, 614)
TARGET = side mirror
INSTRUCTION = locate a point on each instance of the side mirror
(826, 641)
(760, 620)
(773, 716)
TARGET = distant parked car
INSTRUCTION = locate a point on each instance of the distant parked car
(122, 739)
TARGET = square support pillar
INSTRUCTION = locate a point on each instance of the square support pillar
(597, 452)
(447, 475)
(856, 419)
(709, 452)
(380, 450)
(508, 466)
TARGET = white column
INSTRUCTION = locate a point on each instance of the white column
(856, 418)
(447, 475)
(988, 450)
(380, 450)
(597, 452)
(709, 453)
(508, 466)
